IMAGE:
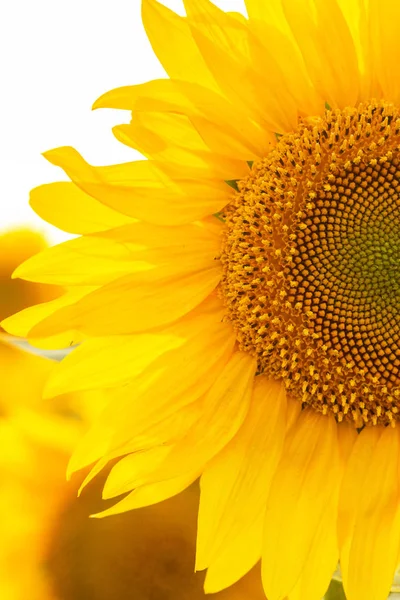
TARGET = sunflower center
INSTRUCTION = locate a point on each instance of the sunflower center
(311, 263)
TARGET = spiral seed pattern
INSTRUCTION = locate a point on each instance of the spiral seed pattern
(311, 263)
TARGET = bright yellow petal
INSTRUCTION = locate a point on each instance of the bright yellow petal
(224, 408)
(22, 323)
(354, 481)
(106, 362)
(269, 12)
(157, 442)
(347, 436)
(91, 261)
(371, 560)
(98, 259)
(93, 445)
(290, 62)
(136, 302)
(324, 554)
(304, 482)
(174, 380)
(173, 44)
(327, 47)
(356, 14)
(142, 190)
(238, 555)
(137, 411)
(225, 128)
(231, 51)
(64, 205)
(323, 557)
(235, 484)
(293, 412)
(173, 139)
(384, 18)
(150, 494)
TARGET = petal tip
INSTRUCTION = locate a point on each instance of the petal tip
(100, 102)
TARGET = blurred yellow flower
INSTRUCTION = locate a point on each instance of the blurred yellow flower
(237, 293)
(17, 245)
(50, 549)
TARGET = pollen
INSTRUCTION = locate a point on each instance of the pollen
(311, 263)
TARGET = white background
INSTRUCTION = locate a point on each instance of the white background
(57, 57)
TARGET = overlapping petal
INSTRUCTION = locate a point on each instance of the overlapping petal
(225, 128)
(369, 517)
(98, 259)
(298, 500)
(143, 190)
(67, 207)
(236, 484)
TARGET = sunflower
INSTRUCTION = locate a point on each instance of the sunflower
(236, 292)
(50, 549)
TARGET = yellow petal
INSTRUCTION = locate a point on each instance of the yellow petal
(173, 44)
(347, 437)
(106, 362)
(322, 558)
(269, 12)
(235, 484)
(224, 408)
(64, 205)
(134, 465)
(327, 48)
(225, 128)
(136, 302)
(22, 323)
(238, 555)
(156, 446)
(229, 49)
(354, 480)
(355, 13)
(237, 15)
(137, 411)
(291, 64)
(150, 494)
(93, 445)
(142, 190)
(83, 261)
(371, 559)
(222, 141)
(174, 380)
(98, 259)
(304, 482)
(173, 139)
(384, 19)
(293, 413)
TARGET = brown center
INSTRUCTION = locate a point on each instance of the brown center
(311, 262)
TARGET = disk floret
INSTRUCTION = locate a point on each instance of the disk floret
(311, 263)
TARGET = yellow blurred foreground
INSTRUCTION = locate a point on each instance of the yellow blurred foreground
(51, 549)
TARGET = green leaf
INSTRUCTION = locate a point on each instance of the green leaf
(219, 216)
(335, 591)
(232, 183)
